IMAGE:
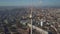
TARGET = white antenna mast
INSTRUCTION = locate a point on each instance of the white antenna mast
(31, 16)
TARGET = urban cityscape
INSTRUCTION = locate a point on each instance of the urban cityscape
(18, 20)
(29, 17)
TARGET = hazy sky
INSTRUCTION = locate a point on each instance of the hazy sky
(29, 2)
